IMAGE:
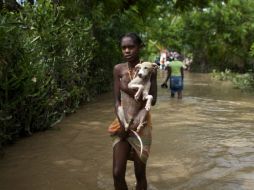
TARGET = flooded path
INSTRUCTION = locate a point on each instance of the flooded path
(202, 142)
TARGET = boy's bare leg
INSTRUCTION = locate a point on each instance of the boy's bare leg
(140, 173)
(179, 95)
(120, 155)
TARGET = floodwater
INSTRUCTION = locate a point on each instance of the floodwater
(202, 142)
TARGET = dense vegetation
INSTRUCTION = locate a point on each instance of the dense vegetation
(55, 56)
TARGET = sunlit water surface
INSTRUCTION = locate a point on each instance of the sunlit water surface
(202, 142)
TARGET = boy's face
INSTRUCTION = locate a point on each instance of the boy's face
(130, 50)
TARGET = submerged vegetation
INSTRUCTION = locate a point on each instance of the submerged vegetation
(244, 82)
(56, 55)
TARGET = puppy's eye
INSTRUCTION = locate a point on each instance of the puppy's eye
(145, 67)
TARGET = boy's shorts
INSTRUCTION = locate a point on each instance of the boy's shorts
(176, 83)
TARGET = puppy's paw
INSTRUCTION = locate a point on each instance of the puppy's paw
(139, 127)
(142, 125)
(147, 107)
(136, 97)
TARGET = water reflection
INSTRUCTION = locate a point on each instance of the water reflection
(205, 140)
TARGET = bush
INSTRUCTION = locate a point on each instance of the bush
(223, 76)
(241, 81)
(45, 63)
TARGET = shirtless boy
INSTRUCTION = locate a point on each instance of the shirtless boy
(125, 144)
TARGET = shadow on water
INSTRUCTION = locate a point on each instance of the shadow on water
(202, 142)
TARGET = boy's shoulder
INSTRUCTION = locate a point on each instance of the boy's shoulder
(120, 66)
(176, 62)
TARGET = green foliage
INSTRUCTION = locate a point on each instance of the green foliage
(220, 36)
(244, 81)
(45, 68)
(252, 50)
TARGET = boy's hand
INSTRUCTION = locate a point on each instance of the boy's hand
(164, 85)
(122, 133)
(134, 124)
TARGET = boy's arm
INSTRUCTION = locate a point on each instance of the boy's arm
(117, 94)
(117, 97)
(168, 68)
(182, 72)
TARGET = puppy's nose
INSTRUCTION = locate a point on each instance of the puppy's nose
(140, 75)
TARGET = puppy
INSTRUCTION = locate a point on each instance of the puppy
(142, 83)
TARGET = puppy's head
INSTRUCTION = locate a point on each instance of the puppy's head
(146, 68)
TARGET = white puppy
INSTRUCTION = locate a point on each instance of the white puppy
(142, 82)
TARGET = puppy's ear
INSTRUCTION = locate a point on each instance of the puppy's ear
(155, 66)
(138, 66)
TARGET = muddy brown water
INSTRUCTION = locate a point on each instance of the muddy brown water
(202, 142)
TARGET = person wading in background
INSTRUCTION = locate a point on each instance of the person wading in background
(175, 75)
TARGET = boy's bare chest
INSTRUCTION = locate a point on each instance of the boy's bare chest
(125, 78)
